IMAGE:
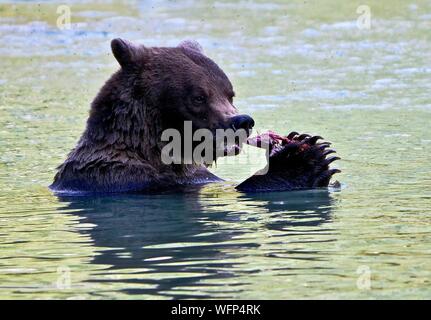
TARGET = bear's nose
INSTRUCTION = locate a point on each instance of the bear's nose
(242, 121)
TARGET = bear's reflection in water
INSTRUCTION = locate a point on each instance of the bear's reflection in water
(191, 243)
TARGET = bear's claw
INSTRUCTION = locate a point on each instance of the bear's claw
(291, 135)
(323, 179)
(296, 161)
(328, 151)
(313, 140)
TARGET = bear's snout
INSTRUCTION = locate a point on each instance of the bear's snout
(242, 121)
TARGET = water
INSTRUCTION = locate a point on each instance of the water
(295, 66)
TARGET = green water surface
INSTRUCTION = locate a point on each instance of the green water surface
(295, 65)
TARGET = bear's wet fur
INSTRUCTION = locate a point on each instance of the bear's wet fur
(160, 88)
(120, 149)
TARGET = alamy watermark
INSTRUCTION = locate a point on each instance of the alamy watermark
(364, 279)
(204, 146)
(64, 18)
(364, 19)
(63, 278)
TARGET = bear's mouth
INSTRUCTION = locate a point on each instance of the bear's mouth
(233, 148)
(267, 140)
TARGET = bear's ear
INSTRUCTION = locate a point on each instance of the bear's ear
(191, 45)
(125, 52)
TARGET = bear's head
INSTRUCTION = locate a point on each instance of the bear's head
(159, 88)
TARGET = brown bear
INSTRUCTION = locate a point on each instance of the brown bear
(160, 88)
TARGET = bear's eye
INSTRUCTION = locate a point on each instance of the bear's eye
(230, 96)
(199, 99)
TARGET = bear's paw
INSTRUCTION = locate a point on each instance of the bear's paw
(295, 161)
